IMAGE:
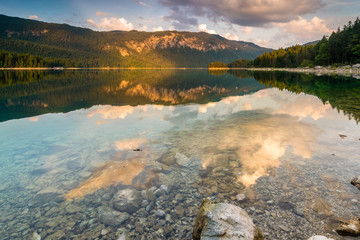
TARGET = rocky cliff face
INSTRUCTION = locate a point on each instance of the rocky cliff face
(170, 40)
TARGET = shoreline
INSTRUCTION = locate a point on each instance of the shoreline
(102, 68)
(319, 71)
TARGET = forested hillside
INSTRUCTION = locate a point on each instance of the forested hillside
(61, 44)
(341, 48)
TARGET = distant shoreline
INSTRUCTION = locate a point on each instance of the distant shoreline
(342, 71)
(319, 71)
(95, 68)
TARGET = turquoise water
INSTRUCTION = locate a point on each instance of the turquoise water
(291, 153)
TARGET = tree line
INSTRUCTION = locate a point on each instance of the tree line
(341, 48)
(17, 60)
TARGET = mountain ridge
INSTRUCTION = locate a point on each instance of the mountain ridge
(86, 47)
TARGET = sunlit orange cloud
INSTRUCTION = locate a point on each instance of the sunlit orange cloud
(112, 112)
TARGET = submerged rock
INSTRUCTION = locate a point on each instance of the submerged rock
(35, 236)
(127, 200)
(182, 160)
(356, 182)
(112, 217)
(350, 228)
(319, 237)
(240, 197)
(224, 221)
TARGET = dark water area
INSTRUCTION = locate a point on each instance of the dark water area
(282, 146)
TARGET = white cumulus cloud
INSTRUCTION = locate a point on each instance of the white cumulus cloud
(112, 24)
(247, 30)
(34, 17)
(158, 29)
(203, 28)
(305, 30)
(231, 36)
(142, 28)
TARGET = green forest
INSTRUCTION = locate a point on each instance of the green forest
(341, 48)
(16, 60)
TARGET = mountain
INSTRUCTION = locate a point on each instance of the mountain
(87, 48)
(311, 43)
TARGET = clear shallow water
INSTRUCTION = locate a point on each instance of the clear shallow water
(291, 155)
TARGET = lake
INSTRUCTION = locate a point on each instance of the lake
(283, 146)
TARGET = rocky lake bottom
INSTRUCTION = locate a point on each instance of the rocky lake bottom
(141, 172)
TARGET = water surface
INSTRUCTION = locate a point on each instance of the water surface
(71, 139)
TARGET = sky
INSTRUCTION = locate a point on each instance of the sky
(268, 23)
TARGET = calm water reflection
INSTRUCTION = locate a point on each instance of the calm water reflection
(194, 134)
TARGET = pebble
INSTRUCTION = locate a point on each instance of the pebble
(298, 211)
(284, 228)
(104, 232)
(160, 213)
(240, 197)
(35, 236)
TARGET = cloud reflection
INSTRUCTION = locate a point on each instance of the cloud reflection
(304, 106)
(111, 112)
(259, 142)
(109, 174)
(124, 169)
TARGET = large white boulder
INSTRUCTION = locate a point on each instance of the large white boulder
(319, 237)
(224, 221)
(127, 200)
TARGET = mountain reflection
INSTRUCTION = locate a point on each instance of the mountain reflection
(51, 91)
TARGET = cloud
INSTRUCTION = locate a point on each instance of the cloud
(243, 12)
(179, 19)
(247, 30)
(102, 14)
(34, 17)
(142, 27)
(158, 29)
(262, 42)
(112, 24)
(309, 30)
(203, 28)
(141, 3)
(232, 36)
